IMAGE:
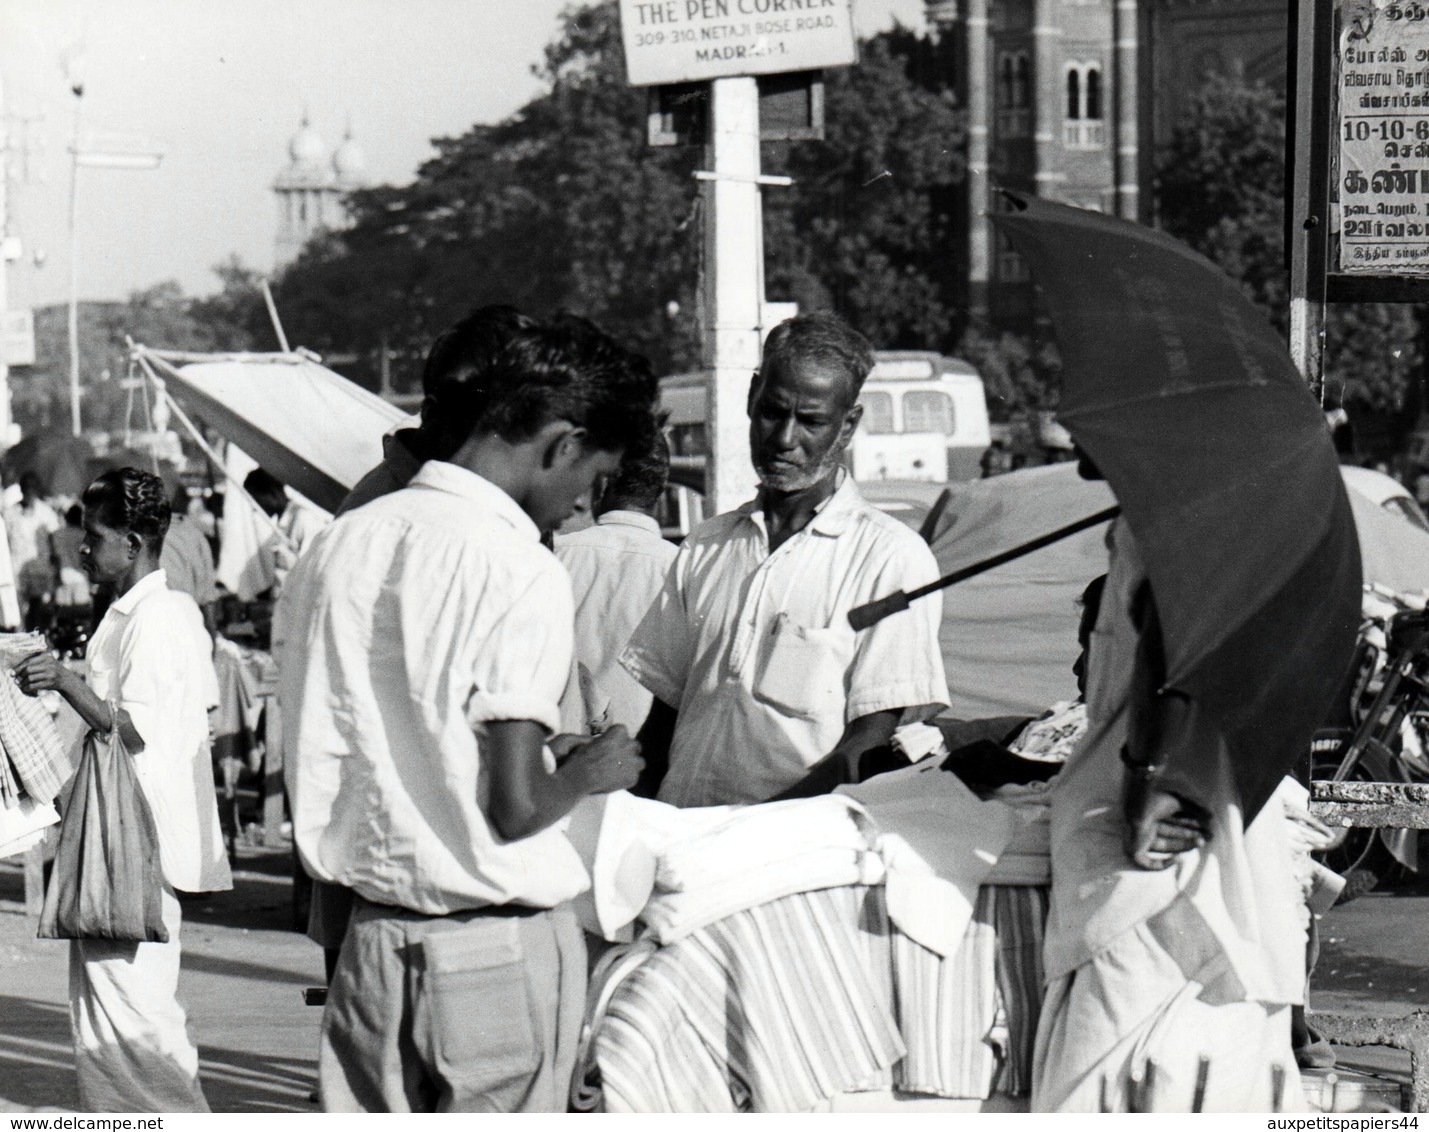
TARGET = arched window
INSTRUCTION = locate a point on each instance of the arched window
(1014, 116)
(1005, 88)
(1083, 127)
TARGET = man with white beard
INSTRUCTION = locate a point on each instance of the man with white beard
(761, 687)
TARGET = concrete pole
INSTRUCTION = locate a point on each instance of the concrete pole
(1128, 205)
(74, 417)
(733, 287)
(979, 201)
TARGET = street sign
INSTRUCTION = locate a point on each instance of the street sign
(679, 41)
(1383, 140)
(18, 334)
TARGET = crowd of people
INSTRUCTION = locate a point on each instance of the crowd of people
(457, 676)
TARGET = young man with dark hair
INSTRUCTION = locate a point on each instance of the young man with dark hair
(423, 645)
(760, 684)
(455, 376)
(617, 568)
(150, 659)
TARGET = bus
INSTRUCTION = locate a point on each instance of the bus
(924, 421)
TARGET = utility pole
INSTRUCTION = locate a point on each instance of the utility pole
(73, 320)
(733, 285)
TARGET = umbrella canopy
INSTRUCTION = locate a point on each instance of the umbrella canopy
(1009, 636)
(1185, 398)
(314, 429)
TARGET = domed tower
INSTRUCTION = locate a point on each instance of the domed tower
(310, 189)
(349, 164)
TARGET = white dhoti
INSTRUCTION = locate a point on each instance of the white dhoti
(1171, 987)
(131, 1045)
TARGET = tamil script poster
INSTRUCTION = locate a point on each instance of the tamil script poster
(1383, 132)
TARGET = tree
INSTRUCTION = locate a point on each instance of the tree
(1220, 187)
(564, 205)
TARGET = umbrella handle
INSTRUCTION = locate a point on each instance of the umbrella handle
(865, 616)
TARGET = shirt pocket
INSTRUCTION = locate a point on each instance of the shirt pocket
(482, 1031)
(803, 670)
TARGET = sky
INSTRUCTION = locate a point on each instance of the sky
(220, 87)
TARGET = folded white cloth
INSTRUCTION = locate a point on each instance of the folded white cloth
(674, 915)
(939, 842)
(23, 825)
(620, 838)
(752, 838)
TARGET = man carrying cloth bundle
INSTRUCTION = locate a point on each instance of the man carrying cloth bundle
(761, 687)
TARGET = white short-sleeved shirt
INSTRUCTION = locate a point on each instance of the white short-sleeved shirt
(755, 651)
(152, 654)
(617, 568)
(408, 624)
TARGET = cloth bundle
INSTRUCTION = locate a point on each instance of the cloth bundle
(32, 758)
(106, 883)
(758, 854)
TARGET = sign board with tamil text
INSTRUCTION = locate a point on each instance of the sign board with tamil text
(679, 41)
(1382, 178)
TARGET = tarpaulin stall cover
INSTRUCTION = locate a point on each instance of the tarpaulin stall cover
(314, 429)
(1009, 636)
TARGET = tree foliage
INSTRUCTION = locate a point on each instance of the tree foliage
(564, 205)
(1220, 187)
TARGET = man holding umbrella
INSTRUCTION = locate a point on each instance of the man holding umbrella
(1175, 938)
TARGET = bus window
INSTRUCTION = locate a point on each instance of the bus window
(877, 412)
(928, 411)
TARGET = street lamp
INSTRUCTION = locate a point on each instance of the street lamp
(93, 159)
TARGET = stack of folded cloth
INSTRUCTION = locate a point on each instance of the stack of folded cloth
(758, 854)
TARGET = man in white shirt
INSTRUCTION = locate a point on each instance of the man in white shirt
(29, 525)
(150, 656)
(423, 644)
(761, 687)
(298, 523)
(617, 567)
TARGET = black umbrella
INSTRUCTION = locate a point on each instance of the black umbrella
(1185, 398)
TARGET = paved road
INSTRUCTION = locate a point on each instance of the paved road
(242, 981)
(244, 971)
(1375, 956)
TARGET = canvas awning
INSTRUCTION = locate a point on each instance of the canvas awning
(312, 428)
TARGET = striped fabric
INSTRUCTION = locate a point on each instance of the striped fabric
(774, 1009)
(785, 1005)
(32, 744)
(970, 1021)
